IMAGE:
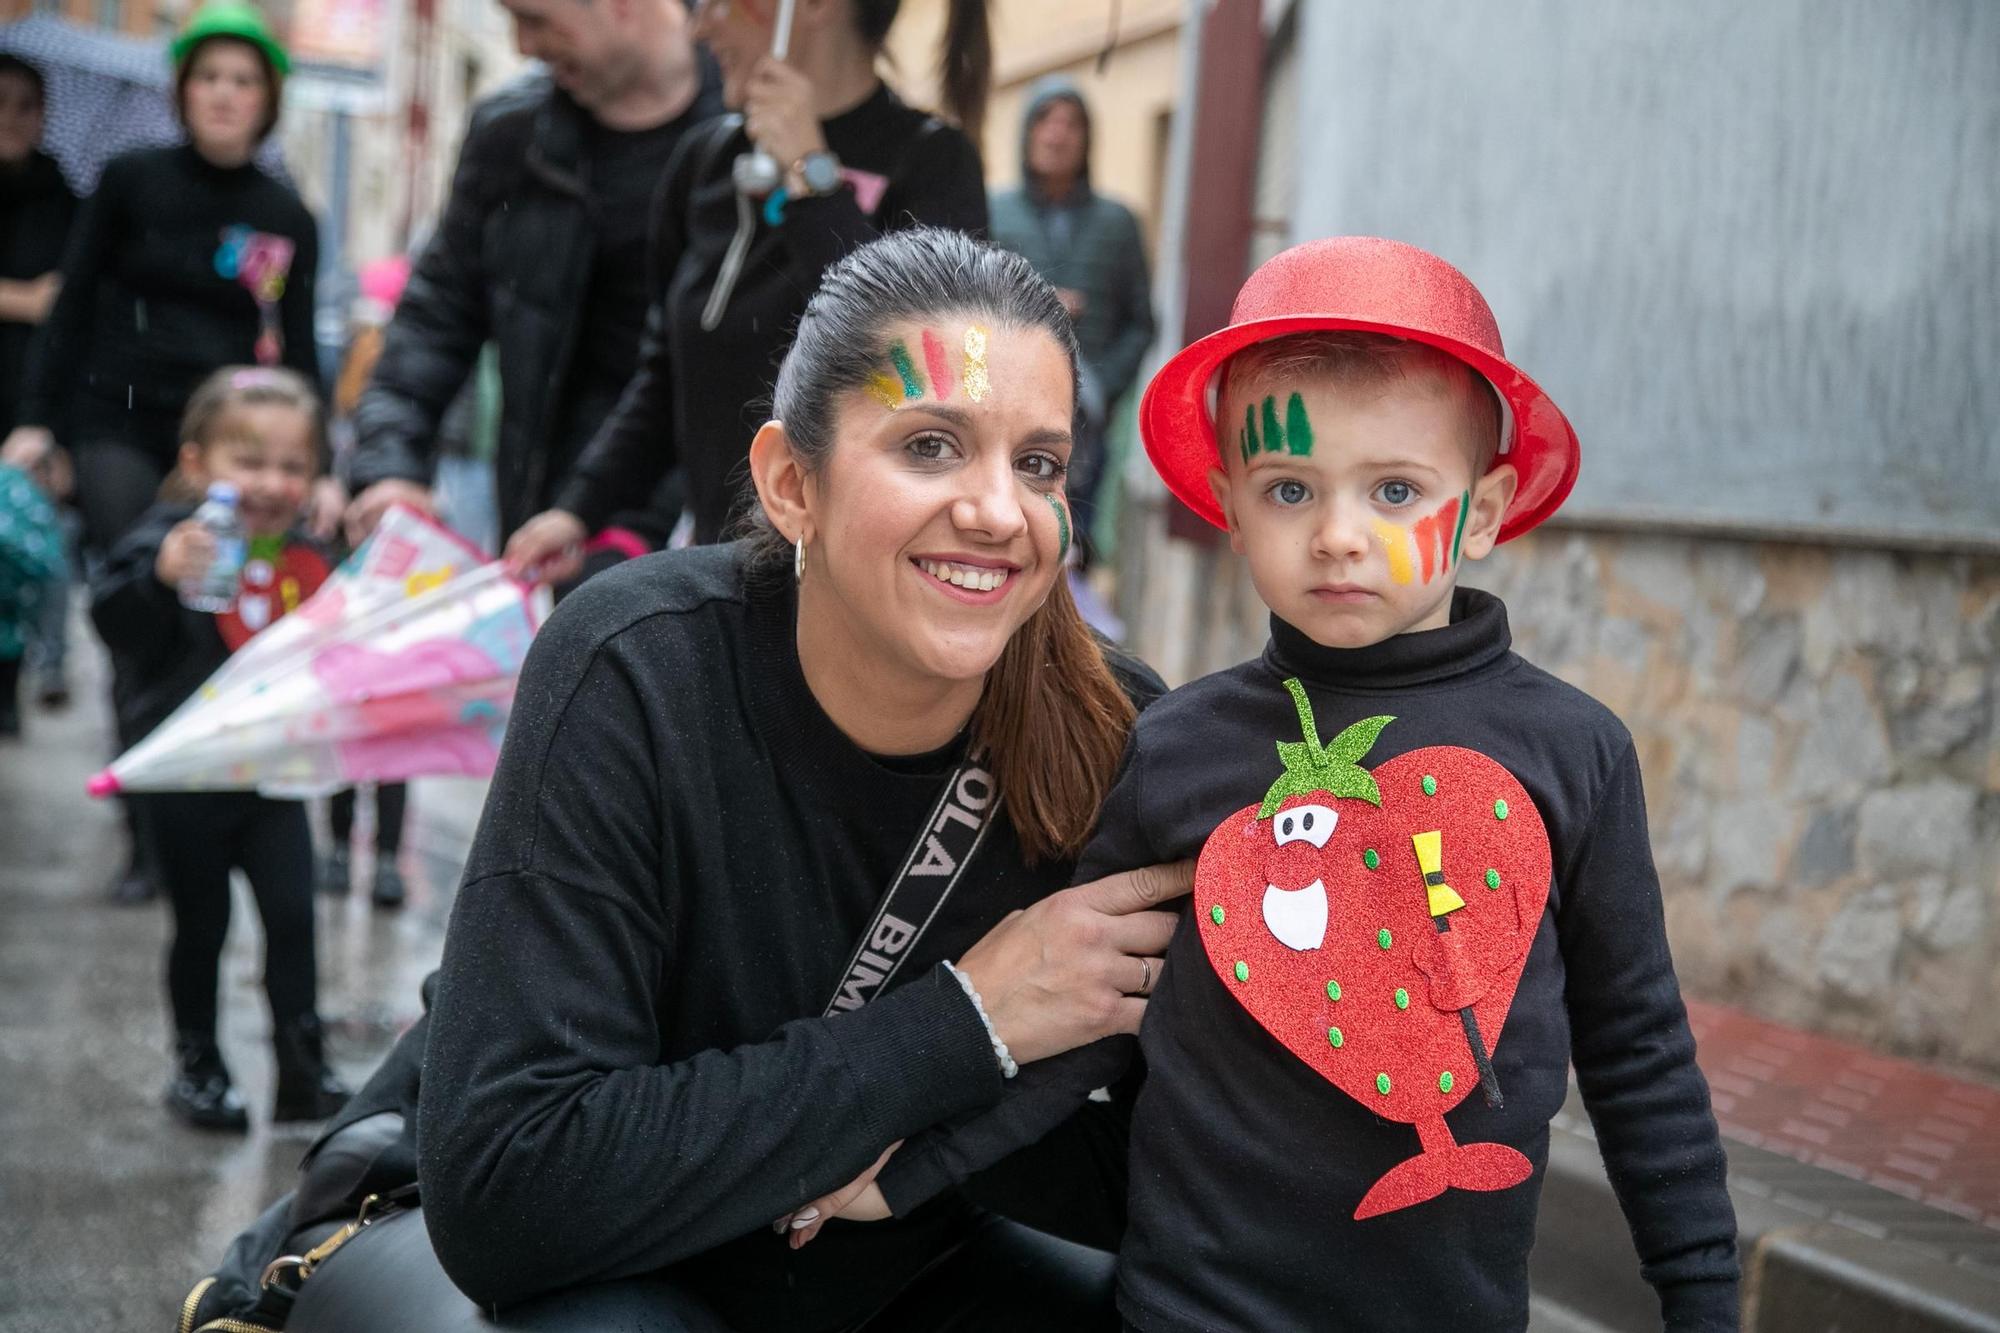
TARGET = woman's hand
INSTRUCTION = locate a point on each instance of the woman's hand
(371, 504)
(1079, 964)
(859, 1200)
(778, 113)
(548, 548)
(185, 555)
(324, 506)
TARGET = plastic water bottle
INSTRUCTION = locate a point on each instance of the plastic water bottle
(215, 588)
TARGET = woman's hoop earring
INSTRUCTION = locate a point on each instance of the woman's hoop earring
(799, 560)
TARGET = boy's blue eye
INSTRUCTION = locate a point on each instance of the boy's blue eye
(1290, 492)
(1396, 492)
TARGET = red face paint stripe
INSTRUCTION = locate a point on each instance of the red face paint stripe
(1434, 539)
(939, 366)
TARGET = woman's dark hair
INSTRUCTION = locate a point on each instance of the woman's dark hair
(965, 55)
(13, 64)
(1052, 719)
(274, 82)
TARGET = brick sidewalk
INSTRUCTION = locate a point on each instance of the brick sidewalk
(1895, 1124)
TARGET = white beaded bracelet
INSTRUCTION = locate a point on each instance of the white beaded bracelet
(1007, 1066)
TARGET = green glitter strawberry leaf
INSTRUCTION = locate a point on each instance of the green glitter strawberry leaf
(1334, 769)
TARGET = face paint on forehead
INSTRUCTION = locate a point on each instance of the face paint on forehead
(1270, 434)
(977, 382)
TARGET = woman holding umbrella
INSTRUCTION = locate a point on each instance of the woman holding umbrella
(823, 158)
(185, 260)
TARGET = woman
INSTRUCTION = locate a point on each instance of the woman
(36, 209)
(185, 260)
(660, 1023)
(856, 163)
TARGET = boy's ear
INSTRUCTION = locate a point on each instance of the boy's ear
(1219, 486)
(1491, 495)
(780, 482)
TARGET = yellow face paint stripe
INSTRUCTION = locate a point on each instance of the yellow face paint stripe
(977, 384)
(886, 390)
(1397, 543)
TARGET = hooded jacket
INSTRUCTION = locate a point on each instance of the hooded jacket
(1104, 257)
(511, 262)
(36, 210)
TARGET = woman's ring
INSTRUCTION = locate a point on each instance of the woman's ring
(1145, 977)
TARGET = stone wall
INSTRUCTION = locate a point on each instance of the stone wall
(1820, 732)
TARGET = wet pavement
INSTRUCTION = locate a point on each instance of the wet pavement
(109, 1210)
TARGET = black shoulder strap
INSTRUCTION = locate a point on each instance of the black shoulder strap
(950, 837)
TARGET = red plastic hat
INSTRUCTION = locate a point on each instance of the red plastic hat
(1378, 286)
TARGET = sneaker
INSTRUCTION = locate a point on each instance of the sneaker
(389, 888)
(201, 1094)
(336, 873)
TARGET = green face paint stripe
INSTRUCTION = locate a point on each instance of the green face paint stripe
(1250, 430)
(1062, 523)
(1464, 508)
(1274, 434)
(913, 387)
(1298, 429)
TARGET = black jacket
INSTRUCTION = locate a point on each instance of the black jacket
(511, 262)
(36, 209)
(154, 296)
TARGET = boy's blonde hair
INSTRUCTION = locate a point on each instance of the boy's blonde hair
(1357, 359)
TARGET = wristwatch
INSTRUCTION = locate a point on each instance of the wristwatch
(818, 172)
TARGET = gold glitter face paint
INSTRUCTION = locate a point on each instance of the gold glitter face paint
(885, 389)
(1396, 542)
(977, 382)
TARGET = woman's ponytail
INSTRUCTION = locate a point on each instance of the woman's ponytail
(965, 65)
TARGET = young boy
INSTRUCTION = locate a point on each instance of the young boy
(1424, 887)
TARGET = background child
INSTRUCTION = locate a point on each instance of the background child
(32, 568)
(261, 430)
(1415, 911)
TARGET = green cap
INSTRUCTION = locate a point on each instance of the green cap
(230, 18)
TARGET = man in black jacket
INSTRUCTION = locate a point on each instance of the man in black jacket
(542, 248)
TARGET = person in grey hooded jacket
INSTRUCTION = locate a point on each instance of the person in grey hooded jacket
(1090, 249)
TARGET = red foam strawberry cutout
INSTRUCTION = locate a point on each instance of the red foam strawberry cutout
(276, 578)
(1376, 923)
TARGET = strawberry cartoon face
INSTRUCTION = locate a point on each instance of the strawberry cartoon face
(1376, 923)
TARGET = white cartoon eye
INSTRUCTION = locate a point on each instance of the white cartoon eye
(1297, 916)
(1305, 823)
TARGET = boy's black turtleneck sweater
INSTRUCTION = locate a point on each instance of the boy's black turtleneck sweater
(700, 395)
(627, 1068)
(145, 314)
(1247, 1166)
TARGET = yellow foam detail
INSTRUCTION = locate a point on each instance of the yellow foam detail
(1430, 860)
(1396, 541)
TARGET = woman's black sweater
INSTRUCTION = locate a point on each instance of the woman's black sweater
(627, 1068)
(147, 308)
(36, 209)
(699, 396)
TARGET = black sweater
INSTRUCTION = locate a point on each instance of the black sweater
(627, 1070)
(146, 312)
(36, 209)
(1247, 1166)
(699, 396)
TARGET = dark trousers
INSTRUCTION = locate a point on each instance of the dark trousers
(391, 800)
(199, 837)
(117, 479)
(1004, 1278)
